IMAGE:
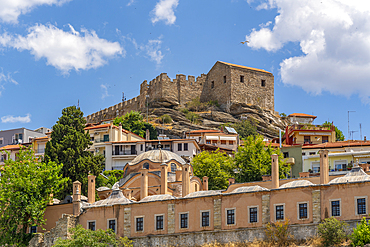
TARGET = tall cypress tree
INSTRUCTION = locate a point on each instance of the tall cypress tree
(68, 145)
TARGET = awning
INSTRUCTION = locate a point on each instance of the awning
(211, 137)
(228, 138)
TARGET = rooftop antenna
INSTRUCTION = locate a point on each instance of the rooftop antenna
(123, 97)
(78, 103)
(360, 132)
(348, 124)
(353, 131)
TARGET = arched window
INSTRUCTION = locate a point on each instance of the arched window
(146, 165)
(173, 167)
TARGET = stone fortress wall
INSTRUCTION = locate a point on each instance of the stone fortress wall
(227, 83)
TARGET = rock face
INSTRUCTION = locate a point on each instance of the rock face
(268, 123)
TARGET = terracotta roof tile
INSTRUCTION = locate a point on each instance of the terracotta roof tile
(98, 126)
(301, 115)
(338, 144)
(8, 147)
(245, 67)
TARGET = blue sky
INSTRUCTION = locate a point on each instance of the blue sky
(56, 52)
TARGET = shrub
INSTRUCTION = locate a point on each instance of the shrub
(332, 232)
(213, 103)
(278, 233)
(196, 105)
(166, 119)
(184, 110)
(283, 115)
(193, 117)
(361, 234)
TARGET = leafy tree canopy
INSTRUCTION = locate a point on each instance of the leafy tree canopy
(216, 166)
(254, 160)
(68, 145)
(246, 128)
(25, 188)
(133, 121)
(84, 237)
(339, 136)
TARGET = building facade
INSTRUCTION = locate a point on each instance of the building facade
(18, 136)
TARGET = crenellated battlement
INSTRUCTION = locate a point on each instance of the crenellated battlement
(226, 83)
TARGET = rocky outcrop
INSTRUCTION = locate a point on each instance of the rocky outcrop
(267, 122)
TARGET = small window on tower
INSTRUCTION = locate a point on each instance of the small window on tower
(242, 78)
(263, 83)
(225, 79)
(212, 84)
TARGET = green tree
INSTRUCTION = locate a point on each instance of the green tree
(216, 166)
(246, 128)
(332, 232)
(133, 121)
(361, 234)
(84, 237)
(254, 160)
(339, 136)
(25, 188)
(68, 145)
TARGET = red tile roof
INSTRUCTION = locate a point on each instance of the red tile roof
(10, 147)
(338, 144)
(98, 126)
(302, 115)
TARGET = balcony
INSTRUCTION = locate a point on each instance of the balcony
(39, 150)
(101, 140)
(310, 127)
(124, 152)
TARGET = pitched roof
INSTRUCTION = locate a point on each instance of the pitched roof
(302, 115)
(245, 67)
(98, 126)
(9, 147)
(339, 144)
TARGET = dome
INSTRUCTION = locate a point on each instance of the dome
(157, 156)
(157, 198)
(204, 193)
(248, 189)
(116, 197)
(355, 175)
(297, 183)
(102, 188)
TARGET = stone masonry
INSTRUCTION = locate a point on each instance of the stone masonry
(226, 83)
(316, 204)
(217, 214)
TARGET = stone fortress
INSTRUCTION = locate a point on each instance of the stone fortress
(226, 83)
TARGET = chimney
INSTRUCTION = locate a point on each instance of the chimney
(147, 135)
(120, 132)
(231, 181)
(275, 171)
(205, 183)
(164, 178)
(185, 180)
(91, 189)
(144, 183)
(76, 197)
(178, 175)
(324, 166)
(364, 138)
(127, 193)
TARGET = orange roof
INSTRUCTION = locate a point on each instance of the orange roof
(245, 67)
(98, 126)
(205, 131)
(301, 115)
(39, 138)
(338, 144)
(8, 147)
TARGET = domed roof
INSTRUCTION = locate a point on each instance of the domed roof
(116, 197)
(204, 193)
(248, 189)
(298, 183)
(355, 175)
(157, 156)
(157, 198)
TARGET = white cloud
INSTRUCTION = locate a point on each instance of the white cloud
(105, 93)
(334, 37)
(4, 79)
(12, 119)
(152, 49)
(10, 10)
(130, 2)
(164, 11)
(64, 50)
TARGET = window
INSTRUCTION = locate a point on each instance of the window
(230, 216)
(91, 225)
(208, 142)
(231, 142)
(212, 84)
(33, 229)
(140, 224)
(340, 164)
(205, 219)
(303, 154)
(361, 205)
(263, 83)
(214, 142)
(173, 167)
(146, 165)
(223, 142)
(225, 79)
(20, 137)
(184, 220)
(307, 139)
(91, 138)
(335, 208)
(279, 211)
(186, 146)
(112, 224)
(159, 222)
(141, 147)
(1, 140)
(316, 167)
(303, 213)
(2, 157)
(253, 215)
(325, 139)
(106, 138)
(286, 154)
(312, 153)
(242, 78)
(179, 147)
